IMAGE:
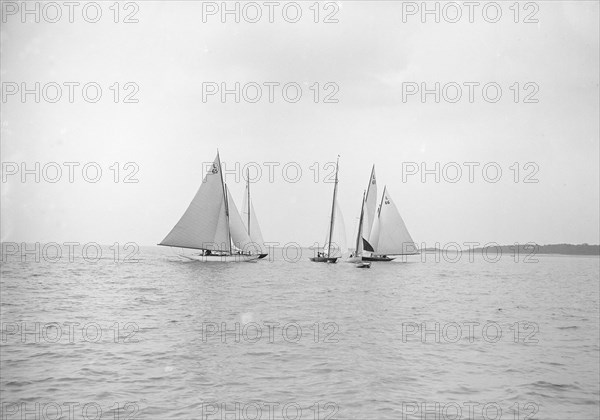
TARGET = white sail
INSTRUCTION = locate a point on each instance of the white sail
(361, 229)
(239, 236)
(374, 237)
(338, 235)
(352, 246)
(370, 206)
(392, 236)
(254, 231)
(204, 224)
(357, 251)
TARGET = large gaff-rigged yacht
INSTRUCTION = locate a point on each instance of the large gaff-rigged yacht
(212, 224)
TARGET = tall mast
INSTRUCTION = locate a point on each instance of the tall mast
(360, 222)
(333, 207)
(382, 197)
(226, 202)
(248, 190)
(372, 172)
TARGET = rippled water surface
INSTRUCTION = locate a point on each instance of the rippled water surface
(337, 342)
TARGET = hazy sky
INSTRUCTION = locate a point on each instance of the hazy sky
(371, 55)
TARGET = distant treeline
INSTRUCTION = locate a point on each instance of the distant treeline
(565, 249)
(529, 249)
(532, 249)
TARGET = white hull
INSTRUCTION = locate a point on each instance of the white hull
(220, 258)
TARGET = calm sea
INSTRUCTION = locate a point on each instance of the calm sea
(164, 339)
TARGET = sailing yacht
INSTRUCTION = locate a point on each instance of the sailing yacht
(251, 221)
(212, 224)
(387, 234)
(332, 251)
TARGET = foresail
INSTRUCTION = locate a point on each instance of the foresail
(239, 235)
(394, 238)
(370, 205)
(255, 232)
(374, 237)
(204, 223)
(361, 229)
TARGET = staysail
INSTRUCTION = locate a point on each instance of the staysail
(205, 224)
(239, 237)
(390, 236)
(250, 220)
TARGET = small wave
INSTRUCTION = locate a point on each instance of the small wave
(558, 387)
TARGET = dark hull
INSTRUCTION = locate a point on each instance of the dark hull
(260, 256)
(377, 258)
(331, 260)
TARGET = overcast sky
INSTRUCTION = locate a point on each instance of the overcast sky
(371, 55)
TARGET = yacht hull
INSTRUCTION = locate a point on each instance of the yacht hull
(331, 260)
(377, 258)
(220, 258)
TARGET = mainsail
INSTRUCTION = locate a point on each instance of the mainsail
(389, 235)
(337, 233)
(205, 223)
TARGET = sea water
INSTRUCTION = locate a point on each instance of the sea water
(148, 336)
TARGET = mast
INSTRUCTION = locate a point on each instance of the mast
(382, 198)
(360, 223)
(333, 207)
(248, 191)
(369, 186)
(225, 201)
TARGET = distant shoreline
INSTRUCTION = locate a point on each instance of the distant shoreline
(531, 248)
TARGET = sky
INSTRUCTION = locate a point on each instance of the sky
(365, 64)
